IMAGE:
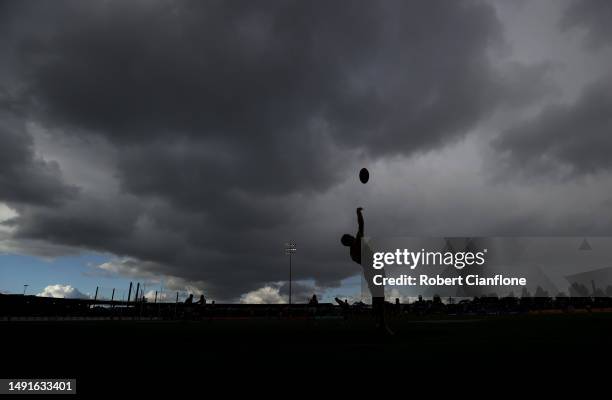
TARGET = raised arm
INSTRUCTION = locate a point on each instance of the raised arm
(360, 223)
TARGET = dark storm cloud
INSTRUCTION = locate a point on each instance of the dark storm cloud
(24, 177)
(572, 135)
(226, 116)
(594, 17)
(243, 84)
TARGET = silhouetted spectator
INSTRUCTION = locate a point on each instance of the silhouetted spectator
(578, 290)
(189, 299)
(202, 300)
(313, 300)
(540, 292)
(343, 304)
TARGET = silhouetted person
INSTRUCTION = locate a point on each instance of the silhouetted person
(343, 304)
(202, 300)
(313, 300)
(377, 291)
(189, 299)
(354, 242)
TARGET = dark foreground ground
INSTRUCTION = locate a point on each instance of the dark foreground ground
(106, 354)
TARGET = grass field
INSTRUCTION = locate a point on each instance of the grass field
(111, 350)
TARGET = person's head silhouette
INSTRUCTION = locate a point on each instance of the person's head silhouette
(347, 240)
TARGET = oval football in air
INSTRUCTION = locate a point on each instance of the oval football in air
(364, 175)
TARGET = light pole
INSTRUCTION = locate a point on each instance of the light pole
(290, 249)
(25, 287)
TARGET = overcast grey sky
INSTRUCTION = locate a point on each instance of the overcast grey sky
(191, 139)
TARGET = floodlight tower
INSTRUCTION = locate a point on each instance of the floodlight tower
(290, 249)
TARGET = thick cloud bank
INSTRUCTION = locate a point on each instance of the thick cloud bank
(192, 139)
